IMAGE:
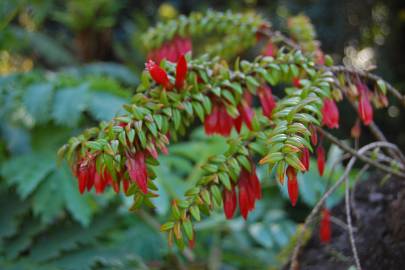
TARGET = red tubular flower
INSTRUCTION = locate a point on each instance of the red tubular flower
(269, 49)
(245, 112)
(296, 82)
(330, 114)
(191, 243)
(116, 186)
(211, 120)
(325, 227)
(249, 191)
(219, 121)
(229, 201)
(292, 185)
(181, 72)
(82, 174)
(314, 134)
(244, 200)
(137, 170)
(364, 107)
(101, 181)
(320, 159)
(92, 174)
(305, 158)
(266, 99)
(125, 185)
(171, 50)
(158, 74)
(225, 123)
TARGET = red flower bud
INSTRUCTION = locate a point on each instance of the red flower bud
(244, 200)
(125, 185)
(292, 185)
(211, 120)
(229, 201)
(158, 74)
(325, 226)
(320, 159)
(245, 116)
(269, 49)
(296, 82)
(137, 170)
(314, 134)
(305, 158)
(330, 114)
(249, 191)
(171, 50)
(181, 72)
(364, 106)
(267, 100)
(82, 175)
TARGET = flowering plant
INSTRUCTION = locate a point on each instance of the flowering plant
(178, 88)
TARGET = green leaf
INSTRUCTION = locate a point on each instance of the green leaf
(69, 104)
(37, 100)
(27, 172)
(47, 201)
(195, 212)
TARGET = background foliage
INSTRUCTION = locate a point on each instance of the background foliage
(64, 70)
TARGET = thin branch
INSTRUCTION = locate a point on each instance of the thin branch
(363, 158)
(318, 206)
(372, 77)
(349, 224)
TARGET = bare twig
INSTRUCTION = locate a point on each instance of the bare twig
(349, 224)
(372, 77)
(363, 158)
(318, 206)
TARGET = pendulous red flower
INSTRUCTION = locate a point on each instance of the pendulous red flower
(158, 74)
(330, 114)
(296, 82)
(171, 50)
(88, 177)
(305, 158)
(292, 185)
(314, 134)
(219, 121)
(181, 72)
(325, 226)
(249, 191)
(267, 100)
(269, 50)
(364, 105)
(245, 112)
(229, 201)
(136, 167)
(320, 159)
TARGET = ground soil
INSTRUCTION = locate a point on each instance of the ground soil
(379, 220)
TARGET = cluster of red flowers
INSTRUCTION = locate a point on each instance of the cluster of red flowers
(88, 177)
(249, 190)
(171, 50)
(135, 164)
(160, 76)
(219, 121)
